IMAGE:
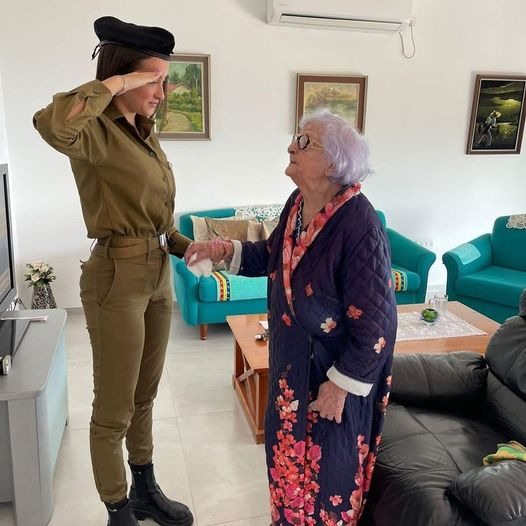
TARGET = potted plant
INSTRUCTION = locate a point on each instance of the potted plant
(39, 275)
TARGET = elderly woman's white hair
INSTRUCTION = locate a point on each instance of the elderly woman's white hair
(345, 148)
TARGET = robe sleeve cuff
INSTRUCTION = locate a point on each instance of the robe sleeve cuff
(348, 384)
(234, 265)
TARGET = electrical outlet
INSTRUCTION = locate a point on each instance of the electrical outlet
(426, 243)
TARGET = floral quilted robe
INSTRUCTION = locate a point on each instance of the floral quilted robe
(330, 302)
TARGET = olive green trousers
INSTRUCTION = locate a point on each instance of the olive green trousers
(128, 308)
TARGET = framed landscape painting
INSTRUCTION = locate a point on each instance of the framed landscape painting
(497, 115)
(344, 95)
(185, 112)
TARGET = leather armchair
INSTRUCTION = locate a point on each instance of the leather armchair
(448, 412)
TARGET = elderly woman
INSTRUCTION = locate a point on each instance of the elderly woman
(332, 320)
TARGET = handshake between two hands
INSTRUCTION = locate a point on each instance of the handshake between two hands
(201, 255)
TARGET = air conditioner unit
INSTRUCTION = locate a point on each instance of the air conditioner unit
(386, 16)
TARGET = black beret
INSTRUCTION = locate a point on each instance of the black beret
(153, 41)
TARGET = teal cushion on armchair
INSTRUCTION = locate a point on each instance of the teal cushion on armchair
(493, 283)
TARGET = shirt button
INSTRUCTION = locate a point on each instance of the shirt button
(152, 154)
(164, 178)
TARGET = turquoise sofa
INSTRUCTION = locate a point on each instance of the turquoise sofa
(198, 298)
(488, 273)
(202, 300)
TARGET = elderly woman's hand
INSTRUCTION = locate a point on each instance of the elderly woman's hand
(330, 401)
(215, 250)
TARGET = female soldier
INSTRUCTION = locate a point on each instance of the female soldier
(127, 192)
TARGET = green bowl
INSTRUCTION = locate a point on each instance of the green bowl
(429, 315)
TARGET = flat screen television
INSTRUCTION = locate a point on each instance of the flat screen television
(11, 331)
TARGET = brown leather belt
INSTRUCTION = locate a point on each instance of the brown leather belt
(119, 247)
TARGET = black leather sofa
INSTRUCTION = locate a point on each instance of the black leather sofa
(448, 412)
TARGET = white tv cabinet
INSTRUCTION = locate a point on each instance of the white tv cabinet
(33, 413)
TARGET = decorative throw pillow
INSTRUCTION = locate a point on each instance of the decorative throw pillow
(227, 228)
(495, 494)
(201, 232)
(200, 229)
(267, 226)
(254, 231)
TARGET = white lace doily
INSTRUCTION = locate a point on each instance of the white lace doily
(517, 221)
(411, 327)
(259, 212)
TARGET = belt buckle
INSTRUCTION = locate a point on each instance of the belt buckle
(162, 240)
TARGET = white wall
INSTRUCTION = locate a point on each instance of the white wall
(416, 121)
(3, 132)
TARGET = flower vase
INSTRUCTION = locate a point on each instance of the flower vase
(43, 298)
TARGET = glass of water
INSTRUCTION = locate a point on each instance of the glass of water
(439, 303)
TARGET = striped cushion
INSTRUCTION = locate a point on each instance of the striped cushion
(221, 286)
(404, 280)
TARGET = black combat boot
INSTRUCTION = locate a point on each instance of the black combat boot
(121, 514)
(149, 501)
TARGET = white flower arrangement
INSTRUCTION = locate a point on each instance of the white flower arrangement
(39, 274)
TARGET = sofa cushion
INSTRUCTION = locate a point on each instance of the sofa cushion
(420, 438)
(221, 286)
(268, 226)
(241, 229)
(404, 280)
(508, 244)
(421, 453)
(493, 284)
(207, 228)
(496, 494)
(506, 355)
(505, 409)
(440, 380)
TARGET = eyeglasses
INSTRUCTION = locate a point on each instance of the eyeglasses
(303, 141)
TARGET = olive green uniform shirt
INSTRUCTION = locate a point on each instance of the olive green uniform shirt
(125, 182)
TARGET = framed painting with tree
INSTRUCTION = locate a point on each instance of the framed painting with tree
(342, 94)
(185, 112)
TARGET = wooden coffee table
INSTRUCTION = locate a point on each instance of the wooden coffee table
(462, 343)
(250, 378)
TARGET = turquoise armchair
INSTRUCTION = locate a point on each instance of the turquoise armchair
(410, 265)
(488, 273)
(202, 301)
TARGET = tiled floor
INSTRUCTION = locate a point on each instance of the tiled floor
(205, 454)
